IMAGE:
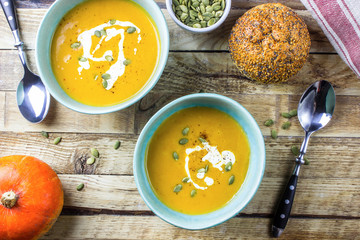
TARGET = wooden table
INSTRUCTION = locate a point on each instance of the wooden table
(327, 202)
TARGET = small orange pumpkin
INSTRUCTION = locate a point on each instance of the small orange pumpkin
(31, 198)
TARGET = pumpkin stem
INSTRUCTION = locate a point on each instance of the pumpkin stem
(9, 199)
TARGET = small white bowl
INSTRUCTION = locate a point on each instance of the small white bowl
(199, 30)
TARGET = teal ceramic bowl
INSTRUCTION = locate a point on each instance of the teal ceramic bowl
(43, 60)
(252, 179)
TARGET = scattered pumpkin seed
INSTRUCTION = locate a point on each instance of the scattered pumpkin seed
(286, 115)
(286, 125)
(126, 62)
(175, 156)
(90, 160)
(185, 179)
(193, 193)
(117, 145)
(269, 122)
(97, 33)
(96, 77)
(94, 152)
(185, 131)
(103, 32)
(306, 161)
(231, 179)
(45, 134)
(183, 141)
(274, 134)
(228, 166)
(104, 83)
(109, 58)
(202, 140)
(131, 30)
(206, 168)
(293, 113)
(82, 59)
(57, 140)
(75, 45)
(201, 170)
(80, 187)
(112, 21)
(177, 188)
(106, 76)
(295, 150)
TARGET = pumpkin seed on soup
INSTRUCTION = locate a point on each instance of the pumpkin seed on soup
(177, 188)
(185, 179)
(206, 168)
(97, 33)
(231, 179)
(185, 131)
(201, 170)
(183, 141)
(104, 83)
(193, 193)
(126, 62)
(228, 166)
(109, 58)
(131, 30)
(175, 156)
(103, 32)
(106, 76)
(75, 45)
(82, 59)
(202, 140)
(112, 21)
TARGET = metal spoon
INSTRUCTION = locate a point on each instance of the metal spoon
(32, 97)
(315, 110)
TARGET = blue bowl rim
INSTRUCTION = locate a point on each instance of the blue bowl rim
(163, 56)
(139, 145)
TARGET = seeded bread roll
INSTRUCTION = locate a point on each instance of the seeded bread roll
(269, 43)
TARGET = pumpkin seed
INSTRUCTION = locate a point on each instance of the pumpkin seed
(177, 188)
(131, 30)
(206, 168)
(207, 14)
(45, 134)
(217, 7)
(94, 152)
(183, 141)
(176, 3)
(57, 140)
(295, 150)
(201, 170)
(293, 113)
(104, 83)
(112, 21)
(286, 125)
(231, 179)
(90, 160)
(80, 187)
(103, 32)
(96, 77)
(185, 131)
(228, 166)
(202, 140)
(185, 179)
(75, 45)
(106, 76)
(209, 9)
(127, 62)
(183, 8)
(183, 16)
(206, 2)
(175, 156)
(202, 9)
(97, 33)
(269, 122)
(203, 24)
(197, 25)
(306, 161)
(193, 193)
(285, 115)
(222, 4)
(274, 134)
(109, 58)
(82, 59)
(117, 145)
(218, 14)
(195, 4)
(211, 22)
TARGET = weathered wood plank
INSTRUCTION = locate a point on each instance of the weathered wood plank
(151, 227)
(329, 157)
(325, 196)
(214, 72)
(29, 20)
(63, 119)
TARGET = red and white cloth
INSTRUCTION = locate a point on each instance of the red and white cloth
(340, 21)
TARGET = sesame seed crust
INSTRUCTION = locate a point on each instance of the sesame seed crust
(269, 43)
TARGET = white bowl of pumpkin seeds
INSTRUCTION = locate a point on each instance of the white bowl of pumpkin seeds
(198, 16)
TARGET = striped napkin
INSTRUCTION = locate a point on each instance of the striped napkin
(340, 21)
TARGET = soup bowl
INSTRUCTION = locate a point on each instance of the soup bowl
(44, 38)
(244, 194)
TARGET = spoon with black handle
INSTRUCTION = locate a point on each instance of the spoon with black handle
(32, 97)
(315, 110)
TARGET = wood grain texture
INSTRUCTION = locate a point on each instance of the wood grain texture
(29, 20)
(188, 72)
(132, 227)
(322, 197)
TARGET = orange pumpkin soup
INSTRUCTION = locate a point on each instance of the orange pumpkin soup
(197, 160)
(104, 51)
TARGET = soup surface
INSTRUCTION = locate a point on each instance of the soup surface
(104, 51)
(197, 160)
